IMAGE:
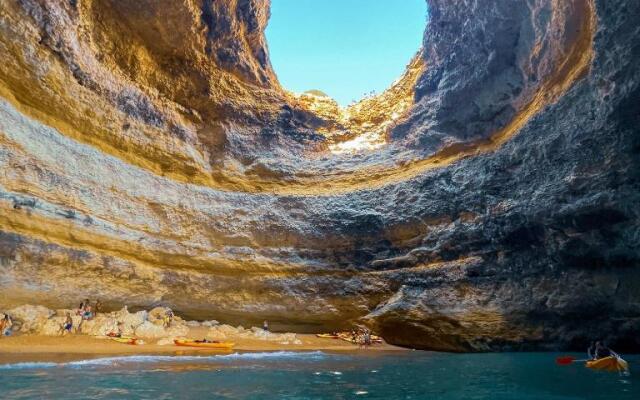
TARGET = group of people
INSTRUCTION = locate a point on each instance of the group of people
(87, 311)
(5, 325)
(598, 350)
(361, 336)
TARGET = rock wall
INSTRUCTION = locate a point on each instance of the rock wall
(149, 156)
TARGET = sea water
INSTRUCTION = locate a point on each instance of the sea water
(318, 375)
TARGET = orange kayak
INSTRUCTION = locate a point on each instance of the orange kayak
(207, 345)
(611, 364)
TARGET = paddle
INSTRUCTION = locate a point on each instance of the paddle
(566, 360)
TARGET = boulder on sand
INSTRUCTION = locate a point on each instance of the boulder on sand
(156, 315)
(150, 330)
(169, 341)
(100, 325)
(130, 322)
(53, 326)
(30, 318)
(178, 330)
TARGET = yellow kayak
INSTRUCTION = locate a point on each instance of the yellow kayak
(611, 364)
(126, 340)
(205, 345)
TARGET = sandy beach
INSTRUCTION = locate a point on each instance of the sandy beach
(46, 348)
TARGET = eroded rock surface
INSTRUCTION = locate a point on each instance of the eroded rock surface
(149, 156)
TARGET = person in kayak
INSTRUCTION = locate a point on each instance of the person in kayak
(602, 351)
(591, 351)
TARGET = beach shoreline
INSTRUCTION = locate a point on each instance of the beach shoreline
(38, 348)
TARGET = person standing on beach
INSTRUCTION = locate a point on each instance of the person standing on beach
(265, 326)
(67, 325)
(167, 319)
(367, 338)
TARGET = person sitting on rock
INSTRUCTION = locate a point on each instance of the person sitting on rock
(98, 307)
(67, 325)
(82, 307)
(5, 325)
(88, 313)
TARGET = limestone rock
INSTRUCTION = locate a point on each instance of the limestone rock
(158, 314)
(100, 325)
(52, 327)
(30, 317)
(150, 330)
(177, 330)
(488, 200)
(128, 322)
(166, 341)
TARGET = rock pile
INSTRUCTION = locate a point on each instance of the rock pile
(223, 332)
(40, 320)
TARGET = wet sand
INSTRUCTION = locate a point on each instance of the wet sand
(31, 348)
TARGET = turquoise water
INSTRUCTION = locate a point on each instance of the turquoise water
(317, 375)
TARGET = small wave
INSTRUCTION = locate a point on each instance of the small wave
(28, 365)
(109, 361)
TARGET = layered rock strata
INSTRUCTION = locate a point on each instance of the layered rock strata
(149, 156)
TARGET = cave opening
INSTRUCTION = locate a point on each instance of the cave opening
(345, 50)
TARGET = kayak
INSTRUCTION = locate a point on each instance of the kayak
(327, 336)
(126, 340)
(611, 364)
(209, 345)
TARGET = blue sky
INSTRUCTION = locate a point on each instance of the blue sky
(345, 48)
